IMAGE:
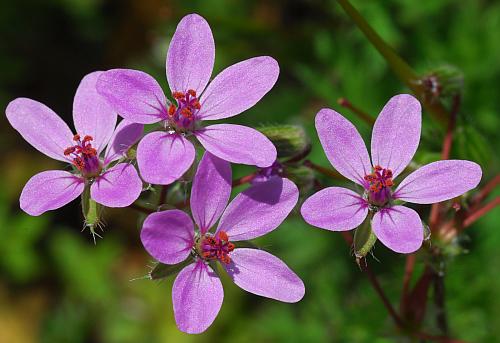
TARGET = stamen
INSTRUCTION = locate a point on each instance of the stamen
(192, 93)
(183, 116)
(84, 156)
(216, 248)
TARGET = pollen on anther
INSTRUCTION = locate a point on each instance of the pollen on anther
(76, 137)
(192, 93)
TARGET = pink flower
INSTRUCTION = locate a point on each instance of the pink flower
(170, 237)
(395, 139)
(111, 185)
(164, 156)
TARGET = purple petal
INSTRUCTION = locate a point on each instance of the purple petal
(335, 208)
(399, 228)
(40, 127)
(343, 145)
(50, 190)
(92, 114)
(168, 236)
(126, 134)
(119, 186)
(211, 191)
(259, 209)
(259, 272)
(396, 133)
(163, 158)
(197, 296)
(439, 181)
(238, 144)
(135, 95)
(191, 55)
(238, 87)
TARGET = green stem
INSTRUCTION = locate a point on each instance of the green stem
(403, 71)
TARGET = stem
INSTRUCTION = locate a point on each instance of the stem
(487, 189)
(163, 195)
(439, 301)
(448, 138)
(445, 154)
(244, 179)
(471, 218)
(376, 285)
(403, 71)
(356, 110)
(140, 208)
(325, 171)
(409, 266)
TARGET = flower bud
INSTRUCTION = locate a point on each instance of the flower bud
(364, 239)
(92, 212)
(291, 141)
(442, 82)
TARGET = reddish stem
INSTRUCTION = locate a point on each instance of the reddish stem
(244, 179)
(486, 190)
(356, 110)
(445, 154)
(325, 171)
(163, 195)
(409, 266)
(472, 217)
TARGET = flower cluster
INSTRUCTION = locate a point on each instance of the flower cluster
(212, 238)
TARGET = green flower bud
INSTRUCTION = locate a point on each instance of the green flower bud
(291, 141)
(443, 82)
(364, 239)
(92, 212)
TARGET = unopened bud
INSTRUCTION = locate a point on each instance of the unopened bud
(442, 82)
(291, 141)
(364, 239)
(92, 212)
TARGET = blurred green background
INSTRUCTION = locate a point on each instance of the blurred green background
(56, 286)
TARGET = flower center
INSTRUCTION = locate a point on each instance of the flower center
(183, 116)
(215, 247)
(380, 181)
(84, 156)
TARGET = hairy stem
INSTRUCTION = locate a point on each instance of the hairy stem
(325, 171)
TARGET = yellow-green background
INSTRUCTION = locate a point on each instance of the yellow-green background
(56, 286)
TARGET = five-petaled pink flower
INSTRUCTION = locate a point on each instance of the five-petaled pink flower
(395, 139)
(164, 156)
(111, 185)
(170, 237)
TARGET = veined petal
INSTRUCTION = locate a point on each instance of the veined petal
(163, 157)
(396, 133)
(119, 186)
(191, 55)
(399, 228)
(343, 146)
(259, 272)
(197, 296)
(92, 114)
(439, 181)
(50, 190)
(168, 236)
(211, 191)
(40, 127)
(125, 135)
(238, 144)
(335, 208)
(259, 209)
(238, 87)
(135, 95)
